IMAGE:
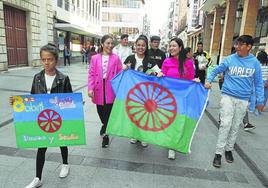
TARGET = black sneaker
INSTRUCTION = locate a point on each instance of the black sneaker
(217, 161)
(249, 127)
(102, 131)
(229, 156)
(105, 141)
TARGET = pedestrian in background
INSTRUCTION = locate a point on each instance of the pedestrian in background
(91, 53)
(178, 65)
(84, 53)
(202, 61)
(157, 55)
(66, 55)
(122, 49)
(262, 56)
(49, 80)
(241, 71)
(103, 68)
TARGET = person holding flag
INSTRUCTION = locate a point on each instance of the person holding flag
(103, 68)
(140, 61)
(178, 66)
(242, 71)
(49, 80)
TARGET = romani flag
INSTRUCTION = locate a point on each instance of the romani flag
(163, 111)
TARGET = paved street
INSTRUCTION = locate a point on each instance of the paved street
(123, 164)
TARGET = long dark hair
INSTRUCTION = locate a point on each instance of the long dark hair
(144, 38)
(103, 39)
(182, 54)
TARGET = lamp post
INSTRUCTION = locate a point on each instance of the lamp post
(222, 19)
(239, 12)
(262, 18)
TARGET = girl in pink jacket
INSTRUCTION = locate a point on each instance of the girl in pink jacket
(103, 68)
(177, 66)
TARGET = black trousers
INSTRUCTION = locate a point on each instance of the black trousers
(201, 74)
(104, 110)
(66, 58)
(40, 159)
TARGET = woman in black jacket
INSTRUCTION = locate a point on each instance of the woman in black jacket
(141, 62)
(49, 80)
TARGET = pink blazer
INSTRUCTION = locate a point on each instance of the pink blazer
(95, 78)
(170, 68)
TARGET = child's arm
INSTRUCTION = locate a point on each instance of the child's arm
(220, 69)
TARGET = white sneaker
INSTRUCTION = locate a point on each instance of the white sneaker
(35, 183)
(144, 144)
(133, 141)
(64, 170)
(171, 154)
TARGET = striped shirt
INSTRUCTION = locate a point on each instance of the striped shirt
(264, 71)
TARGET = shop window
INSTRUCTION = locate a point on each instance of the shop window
(75, 42)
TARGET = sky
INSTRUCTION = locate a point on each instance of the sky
(157, 11)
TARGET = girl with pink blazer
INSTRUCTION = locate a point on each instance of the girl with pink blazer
(103, 68)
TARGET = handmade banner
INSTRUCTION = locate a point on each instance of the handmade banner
(49, 120)
(162, 111)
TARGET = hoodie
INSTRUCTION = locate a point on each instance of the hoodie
(240, 73)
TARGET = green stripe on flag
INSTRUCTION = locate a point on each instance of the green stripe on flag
(177, 136)
(30, 135)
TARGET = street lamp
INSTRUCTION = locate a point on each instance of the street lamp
(222, 19)
(239, 12)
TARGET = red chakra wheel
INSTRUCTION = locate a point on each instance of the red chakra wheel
(150, 106)
(49, 121)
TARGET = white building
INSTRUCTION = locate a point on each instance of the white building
(77, 23)
(119, 17)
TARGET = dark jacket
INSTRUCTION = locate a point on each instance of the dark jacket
(147, 62)
(61, 84)
(158, 56)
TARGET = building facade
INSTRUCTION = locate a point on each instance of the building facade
(169, 28)
(122, 16)
(76, 23)
(226, 20)
(25, 26)
(194, 23)
(183, 20)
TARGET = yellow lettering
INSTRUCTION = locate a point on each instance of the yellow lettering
(68, 137)
(18, 105)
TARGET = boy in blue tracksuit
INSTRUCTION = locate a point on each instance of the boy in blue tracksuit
(242, 70)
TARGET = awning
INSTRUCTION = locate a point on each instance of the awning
(75, 29)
